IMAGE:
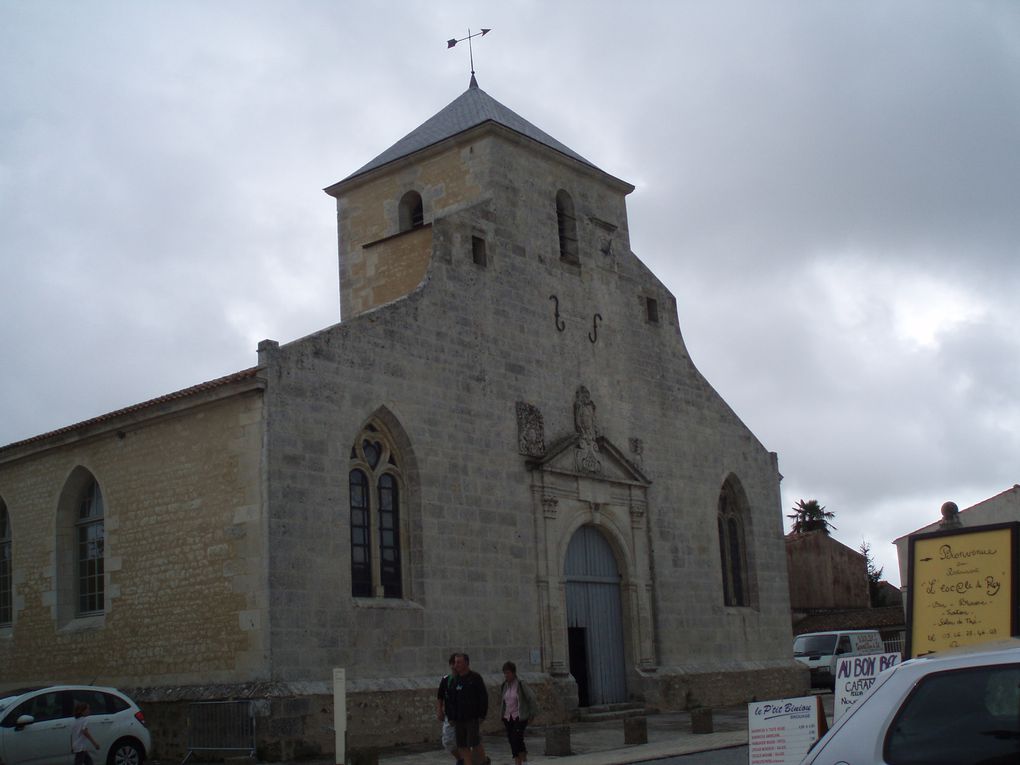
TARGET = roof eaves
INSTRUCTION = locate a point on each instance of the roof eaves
(245, 375)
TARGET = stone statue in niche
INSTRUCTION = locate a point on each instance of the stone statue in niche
(530, 430)
(586, 456)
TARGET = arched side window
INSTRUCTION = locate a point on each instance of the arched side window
(412, 212)
(732, 513)
(567, 225)
(90, 535)
(377, 525)
(6, 574)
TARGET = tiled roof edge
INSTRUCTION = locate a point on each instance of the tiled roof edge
(245, 374)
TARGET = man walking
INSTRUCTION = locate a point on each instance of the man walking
(467, 703)
(449, 735)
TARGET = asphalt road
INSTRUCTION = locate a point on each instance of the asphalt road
(735, 755)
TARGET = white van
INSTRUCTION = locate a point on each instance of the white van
(819, 651)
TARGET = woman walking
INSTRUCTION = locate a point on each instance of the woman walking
(518, 708)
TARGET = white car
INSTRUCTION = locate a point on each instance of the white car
(35, 726)
(960, 707)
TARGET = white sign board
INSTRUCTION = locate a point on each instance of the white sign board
(781, 732)
(855, 675)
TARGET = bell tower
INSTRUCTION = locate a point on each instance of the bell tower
(453, 161)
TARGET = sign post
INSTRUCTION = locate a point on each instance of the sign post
(340, 714)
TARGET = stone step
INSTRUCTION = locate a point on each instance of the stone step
(608, 712)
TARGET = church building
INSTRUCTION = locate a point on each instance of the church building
(503, 448)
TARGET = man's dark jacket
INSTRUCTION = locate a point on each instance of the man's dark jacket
(466, 697)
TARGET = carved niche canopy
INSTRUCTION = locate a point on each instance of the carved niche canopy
(586, 452)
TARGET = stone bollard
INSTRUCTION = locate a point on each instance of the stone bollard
(635, 730)
(363, 757)
(701, 720)
(557, 741)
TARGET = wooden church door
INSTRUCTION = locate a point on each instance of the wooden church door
(595, 619)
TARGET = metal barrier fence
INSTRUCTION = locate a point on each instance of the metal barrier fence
(893, 645)
(221, 726)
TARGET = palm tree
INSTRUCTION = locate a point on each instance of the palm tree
(810, 516)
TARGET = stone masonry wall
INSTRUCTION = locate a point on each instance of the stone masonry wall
(184, 551)
(445, 367)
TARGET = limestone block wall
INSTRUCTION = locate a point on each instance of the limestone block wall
(825, 573)
(185, 594)
(445, 367)
(372, 274)
(388, 269)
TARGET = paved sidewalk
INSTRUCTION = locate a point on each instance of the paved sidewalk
(601, 743)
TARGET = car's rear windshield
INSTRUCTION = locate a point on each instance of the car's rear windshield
(814, 645)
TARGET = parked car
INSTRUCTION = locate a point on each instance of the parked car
(960, 707)
(35, 726)
(820, 651)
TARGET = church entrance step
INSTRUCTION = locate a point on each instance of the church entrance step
(604, 712)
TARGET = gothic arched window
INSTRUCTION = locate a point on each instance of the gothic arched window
(412, 212)
(90, 536)
(376, 520)
(6, 574)
(731, 518)
(567, 226)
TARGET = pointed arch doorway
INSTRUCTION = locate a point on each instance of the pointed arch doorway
(594, 619)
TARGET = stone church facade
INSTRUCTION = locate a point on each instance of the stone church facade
(503, 447)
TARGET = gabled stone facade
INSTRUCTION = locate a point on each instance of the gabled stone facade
(508, 381)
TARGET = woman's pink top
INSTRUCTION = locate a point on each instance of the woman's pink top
(512, 701)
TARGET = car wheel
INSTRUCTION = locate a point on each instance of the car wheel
(125, 752)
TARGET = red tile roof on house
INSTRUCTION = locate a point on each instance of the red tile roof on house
(245, 374)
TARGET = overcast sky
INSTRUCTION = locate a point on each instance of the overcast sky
(831, 191)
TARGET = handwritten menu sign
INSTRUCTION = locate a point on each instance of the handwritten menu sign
(854, 677)
(962, 588)
(782, 731)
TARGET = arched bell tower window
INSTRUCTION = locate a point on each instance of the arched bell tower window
(377, 525)
(6, 573)
(732, 518)
(567, 225)
(412, 213)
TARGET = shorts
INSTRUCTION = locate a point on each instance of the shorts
(82, 758)
(467, 733)
(449, 737)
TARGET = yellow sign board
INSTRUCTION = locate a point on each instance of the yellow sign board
(962, 588)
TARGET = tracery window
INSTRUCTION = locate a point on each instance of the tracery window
(6, 580)
(90, 536)
(412, 211)
(567, 225)
(732, 512)
(376, 522)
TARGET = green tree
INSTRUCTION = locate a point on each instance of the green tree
(810, 516)
(874, 575)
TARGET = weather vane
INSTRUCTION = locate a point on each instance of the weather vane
(471, 51)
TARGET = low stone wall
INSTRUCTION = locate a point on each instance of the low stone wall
(294, 721)
(684, 688)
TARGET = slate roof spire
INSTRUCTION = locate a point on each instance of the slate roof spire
(472, 108)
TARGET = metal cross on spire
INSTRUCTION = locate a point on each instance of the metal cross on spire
(471, 51)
